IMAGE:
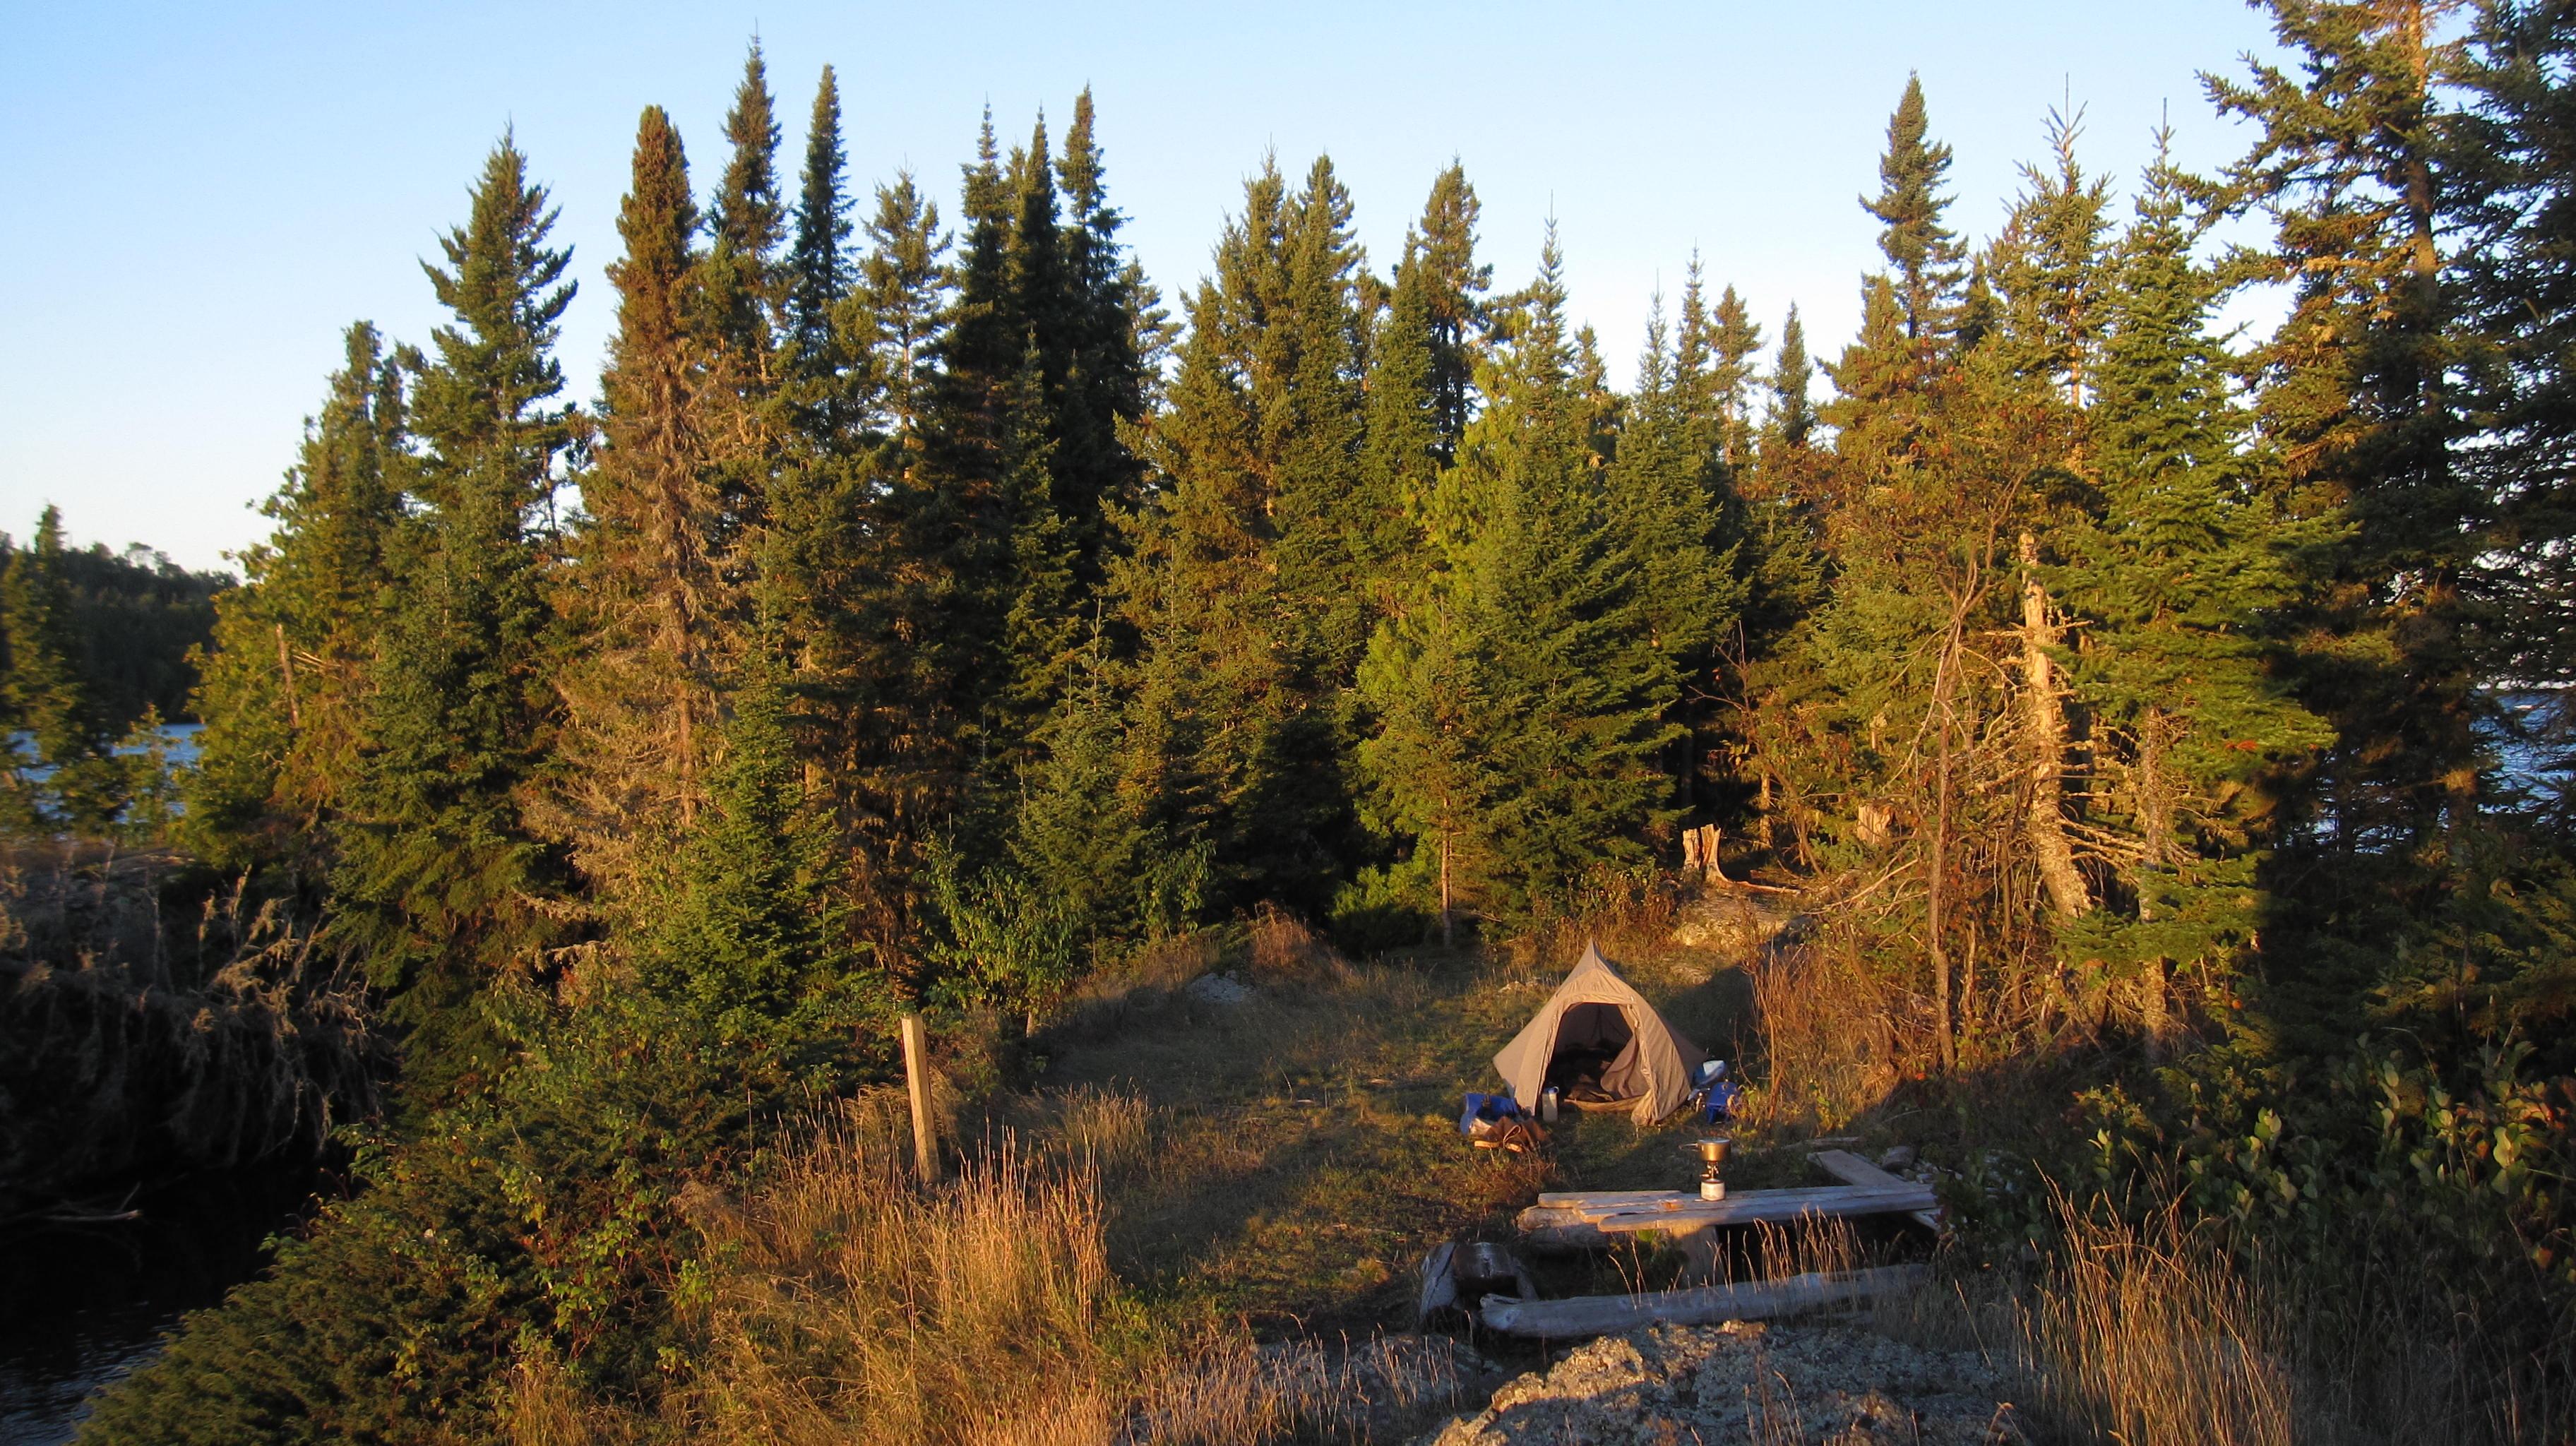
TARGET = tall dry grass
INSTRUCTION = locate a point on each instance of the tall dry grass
(2147, 1335)
(845, 1301)
(2155, 1333)
(1829, 1039)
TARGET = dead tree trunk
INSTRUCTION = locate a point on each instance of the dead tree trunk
(2045, 734)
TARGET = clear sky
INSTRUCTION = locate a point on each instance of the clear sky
(205, 195)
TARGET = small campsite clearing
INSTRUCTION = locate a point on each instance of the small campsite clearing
(1285, 1147)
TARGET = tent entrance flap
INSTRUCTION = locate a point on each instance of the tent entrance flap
(1598, 1040)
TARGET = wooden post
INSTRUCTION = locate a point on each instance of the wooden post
(916, 1081)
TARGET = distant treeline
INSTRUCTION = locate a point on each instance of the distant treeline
(134, 616)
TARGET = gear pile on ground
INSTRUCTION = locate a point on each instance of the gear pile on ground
(1671, 1385)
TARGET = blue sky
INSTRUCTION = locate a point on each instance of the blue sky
(206, 195)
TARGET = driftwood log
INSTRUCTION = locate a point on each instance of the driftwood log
(1599, 1315)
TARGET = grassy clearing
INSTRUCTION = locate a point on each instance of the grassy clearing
(1304, 1152)
(1201, 1227)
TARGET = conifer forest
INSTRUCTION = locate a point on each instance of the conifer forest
(2151, 730)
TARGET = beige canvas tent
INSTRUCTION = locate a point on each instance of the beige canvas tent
(1596, 1035)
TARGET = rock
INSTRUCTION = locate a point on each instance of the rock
(1897, 1157)
(1747, 1381)
(1736, 924)
(1218, 989)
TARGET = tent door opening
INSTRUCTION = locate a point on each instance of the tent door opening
(1595, 1057)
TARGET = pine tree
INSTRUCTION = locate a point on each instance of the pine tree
(48, 696)
(439, 880)
(282, 686)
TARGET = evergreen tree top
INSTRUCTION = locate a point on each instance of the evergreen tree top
(1792, 415)
(1084, 174)
(506, 287)
(746, 218)
(1910, 204)
(820, 263)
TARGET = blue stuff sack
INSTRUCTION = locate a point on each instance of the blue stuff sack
(1486, 1109)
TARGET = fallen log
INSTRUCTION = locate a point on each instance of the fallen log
(1601, 1315)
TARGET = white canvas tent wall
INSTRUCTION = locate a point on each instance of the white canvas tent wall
(1590, 1009)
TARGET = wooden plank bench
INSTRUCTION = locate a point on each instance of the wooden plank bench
(1594, 1219)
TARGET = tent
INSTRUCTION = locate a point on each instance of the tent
(1596, 1036)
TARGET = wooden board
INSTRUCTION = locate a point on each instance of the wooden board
(1606, 1199)
(1595, 1315)
(1598, 1225)
(1851, 1169)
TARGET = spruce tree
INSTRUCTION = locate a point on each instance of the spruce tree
(648, 606)
(818, 264)
(1105, 383)
(745, 935)
(1925, 253)
(1909, 314)
(745, 225)
(1792, 416)
(2047, 266)
(898, 296)
(1546, 676)
(2189, 559)
(439, 881)
(1223, 590)
(49, 697)
(1453, 285)
(2355, 387)
(2512, 155)
(1327, 515)
(1402, 429)
(282, 685)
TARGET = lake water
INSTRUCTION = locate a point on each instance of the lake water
(81, 1305)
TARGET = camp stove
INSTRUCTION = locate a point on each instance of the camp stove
(1712, 1151)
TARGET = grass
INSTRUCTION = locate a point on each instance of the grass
(1202, 1227)
(845, 1301)
(1304, 1149)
